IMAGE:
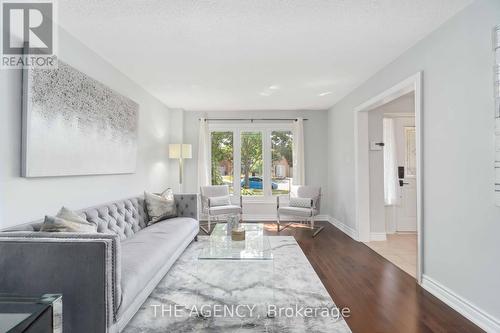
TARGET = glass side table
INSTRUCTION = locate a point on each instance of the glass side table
(31, 314)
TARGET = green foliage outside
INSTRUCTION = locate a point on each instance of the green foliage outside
(251, 156)
(282, 146)
(222, 150)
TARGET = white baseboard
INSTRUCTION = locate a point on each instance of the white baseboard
(482, 319)
(406, 229)
(344, 228)
(270, 218)
(258, 218)
(264, 218)
(377, 236)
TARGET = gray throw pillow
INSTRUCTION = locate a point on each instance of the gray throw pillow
(67, 221)
(160, 206)
(223, 200)
(301, 202)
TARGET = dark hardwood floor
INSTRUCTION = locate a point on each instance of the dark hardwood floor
(382, 297)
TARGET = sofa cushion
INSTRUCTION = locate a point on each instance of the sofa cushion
(67, 221)
(160, 206)
(147, 251)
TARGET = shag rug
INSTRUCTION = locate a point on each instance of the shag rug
(280, 295)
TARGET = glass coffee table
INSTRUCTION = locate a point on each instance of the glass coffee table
(236, 273)
(256, 246)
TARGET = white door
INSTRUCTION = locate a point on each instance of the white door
(406, 212)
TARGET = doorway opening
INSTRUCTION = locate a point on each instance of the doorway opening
(388, 164)
(393, 200)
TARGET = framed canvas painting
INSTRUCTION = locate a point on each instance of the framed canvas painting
(75, 125)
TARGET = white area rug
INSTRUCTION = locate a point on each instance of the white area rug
(255, 292)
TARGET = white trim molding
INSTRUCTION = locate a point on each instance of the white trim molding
(378, 236)
(406, 230)
(361, 158)
(470, 311)
(349, 231)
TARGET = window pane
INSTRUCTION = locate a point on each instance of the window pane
(222, 159)
(251, 163)
(282, 161)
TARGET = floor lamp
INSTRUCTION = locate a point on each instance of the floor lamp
(180, 151)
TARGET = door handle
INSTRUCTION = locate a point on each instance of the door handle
(401, 183)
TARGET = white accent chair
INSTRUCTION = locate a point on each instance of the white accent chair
(215, 212)
(305, 213)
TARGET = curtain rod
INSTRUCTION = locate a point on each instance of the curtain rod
(251, 119)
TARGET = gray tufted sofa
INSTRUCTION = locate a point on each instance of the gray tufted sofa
(104, 277)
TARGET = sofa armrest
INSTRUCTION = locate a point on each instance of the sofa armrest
(187, 205)
(84, 268)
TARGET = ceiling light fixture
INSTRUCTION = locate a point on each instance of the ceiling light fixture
(324, 93)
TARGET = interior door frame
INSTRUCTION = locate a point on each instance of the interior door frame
(361, 158)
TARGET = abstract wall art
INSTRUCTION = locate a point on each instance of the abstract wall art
(75, 125)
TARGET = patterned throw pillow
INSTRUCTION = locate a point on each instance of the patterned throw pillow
(160, 206)
(67, 221)
(301, 202)
(224, 200)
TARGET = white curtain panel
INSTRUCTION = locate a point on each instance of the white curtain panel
(203, 151)
(298, 153)
(391, 181)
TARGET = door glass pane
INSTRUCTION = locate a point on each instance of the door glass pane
(410, 152)
(251, 163)
(222, 159)
(282, 161)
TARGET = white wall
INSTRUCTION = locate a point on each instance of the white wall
(176, 136)
(315, 137)
(461, 231)
(403, 104)
(23, 200)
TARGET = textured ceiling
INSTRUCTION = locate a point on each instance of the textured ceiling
(252, 55)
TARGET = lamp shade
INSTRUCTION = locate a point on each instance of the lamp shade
(179, 150)
(174, 150)
(186, 151)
